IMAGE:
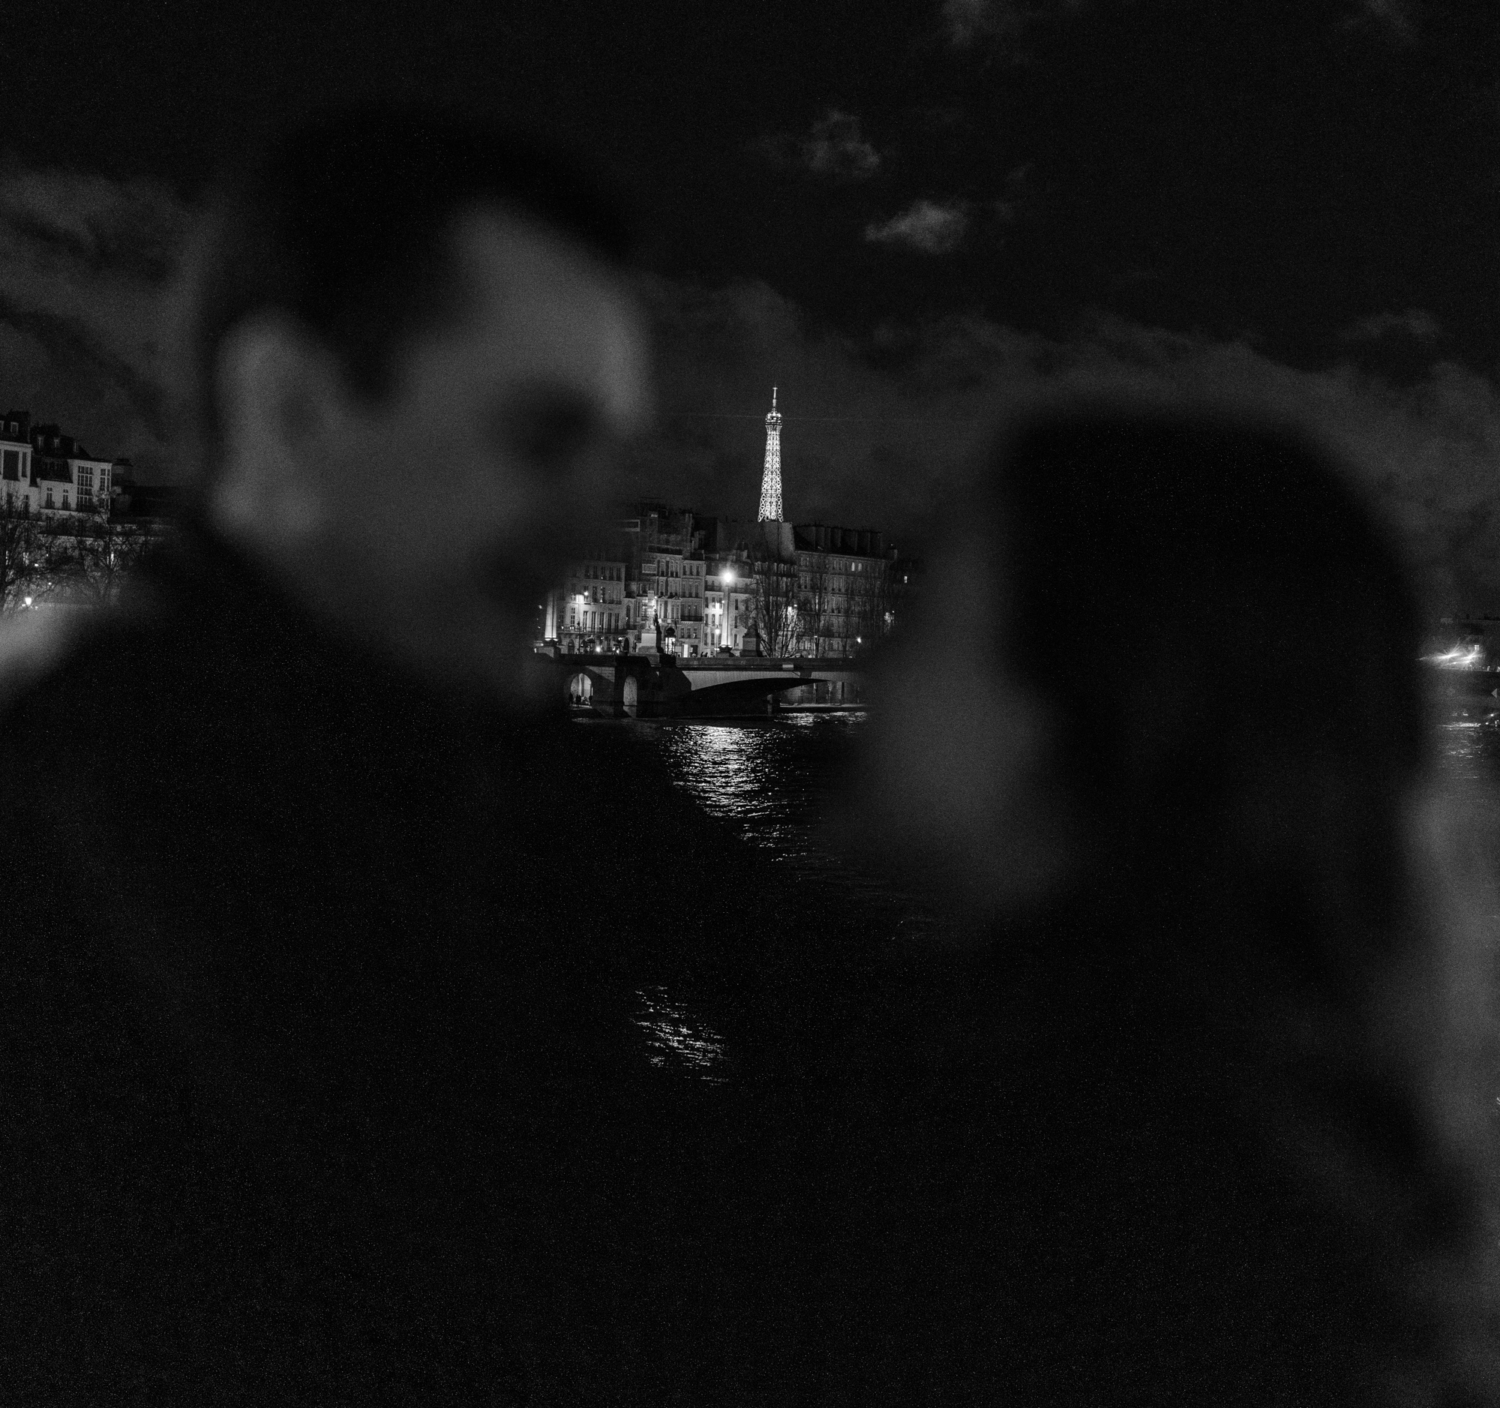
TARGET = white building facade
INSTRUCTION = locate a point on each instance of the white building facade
(587, 615)
(49, 473)
(704, 582)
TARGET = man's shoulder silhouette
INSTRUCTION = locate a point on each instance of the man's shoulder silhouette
(304, 946)
(338, 977)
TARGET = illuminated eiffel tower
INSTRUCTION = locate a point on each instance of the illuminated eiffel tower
(770, 480)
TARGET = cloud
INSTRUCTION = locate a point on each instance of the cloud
(925, 225)
(885, 429)
(882, 429)
(1415, 323)
(85, 263)
(1391, 18)
(968, 21)
(834, 146)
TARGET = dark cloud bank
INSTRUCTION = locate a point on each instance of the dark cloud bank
(881, 428)
(84, 265)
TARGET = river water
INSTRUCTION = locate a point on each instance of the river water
(1471, 751)
(773, 779)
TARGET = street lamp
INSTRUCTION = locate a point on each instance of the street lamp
(726, 581)
(579, 600)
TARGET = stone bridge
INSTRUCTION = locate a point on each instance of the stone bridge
(655, 686)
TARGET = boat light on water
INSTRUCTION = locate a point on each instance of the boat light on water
(1460, 657)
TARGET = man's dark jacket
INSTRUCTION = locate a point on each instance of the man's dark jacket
(328, 1070)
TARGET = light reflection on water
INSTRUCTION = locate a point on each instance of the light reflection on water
(676, 1040)
(1470, 749)
(771, 779)
(768, 779)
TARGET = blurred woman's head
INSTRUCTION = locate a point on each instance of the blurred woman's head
(1150, 633)
(1160, 714)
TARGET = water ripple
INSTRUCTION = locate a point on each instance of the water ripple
(772, 780)
(676, 1039)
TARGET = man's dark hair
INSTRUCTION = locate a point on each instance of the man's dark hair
(344, 223)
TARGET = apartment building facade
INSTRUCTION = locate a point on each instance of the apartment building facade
(50, 473)
(703, 582)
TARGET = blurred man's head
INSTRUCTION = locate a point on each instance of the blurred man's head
(413, 357)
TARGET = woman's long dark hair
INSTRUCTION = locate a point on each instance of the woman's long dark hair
(1208, 609)
(1227, 644)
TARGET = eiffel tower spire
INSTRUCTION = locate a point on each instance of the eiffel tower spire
(770, 480)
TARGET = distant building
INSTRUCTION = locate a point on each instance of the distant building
(809, 589)
(731, 548)
(673, 593)
(847, 588)
(647, 573)
(665, 578)
(79, 526)
(729, 601)
(15, 458)
(588, 612)
(157, 504)
(49, 472)
(708, 583)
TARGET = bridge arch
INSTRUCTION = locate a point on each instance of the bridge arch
(637, 686)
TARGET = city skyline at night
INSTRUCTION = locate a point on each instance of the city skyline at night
(914, 218)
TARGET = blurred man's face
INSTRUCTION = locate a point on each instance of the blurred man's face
(437, 518)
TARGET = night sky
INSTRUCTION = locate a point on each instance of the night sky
(911, 215)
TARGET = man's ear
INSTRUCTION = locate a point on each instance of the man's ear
(280, 400)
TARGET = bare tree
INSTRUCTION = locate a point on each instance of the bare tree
(893, 594)
(812, 603)
(27, 558)
(101, 555)
(863, 615)
(849, 624)
(775, 597)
